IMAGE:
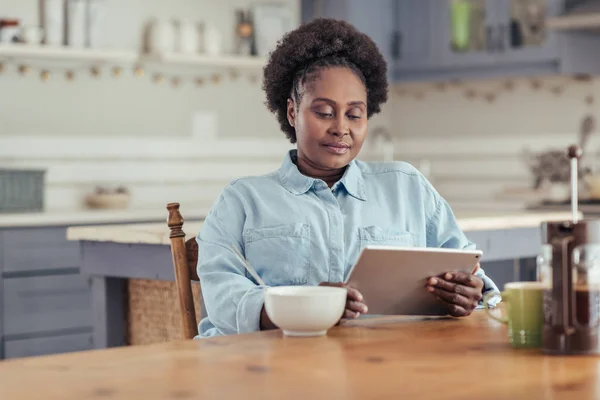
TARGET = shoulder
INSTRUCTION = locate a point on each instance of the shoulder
(246, 182)
(242, 188)
(402, 173)
(237, 196)
(399, 168)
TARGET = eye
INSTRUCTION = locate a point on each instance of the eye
(355, 114)
(324, 115)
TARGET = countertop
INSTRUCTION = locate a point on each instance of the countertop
(87, 217)
(158, 233)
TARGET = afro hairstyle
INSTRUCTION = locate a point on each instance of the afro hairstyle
(314, 46)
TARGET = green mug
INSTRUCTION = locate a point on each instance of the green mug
(524, 312)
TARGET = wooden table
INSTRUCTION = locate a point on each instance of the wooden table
(446, 358)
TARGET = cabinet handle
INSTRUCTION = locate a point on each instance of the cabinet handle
(502, 38)
(397, 45)
(489, 42)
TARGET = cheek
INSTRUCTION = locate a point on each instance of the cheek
(310, 127)
(360, 132)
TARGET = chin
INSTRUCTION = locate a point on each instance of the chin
(335, 162)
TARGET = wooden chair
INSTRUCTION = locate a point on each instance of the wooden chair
(185, 260)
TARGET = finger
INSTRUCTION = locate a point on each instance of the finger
(331, 284)
(349, 314)
(354, 294)
(458, 289)
(357, 306)
(464, 278)
(453, 298)
(454, 309)
(442, 283)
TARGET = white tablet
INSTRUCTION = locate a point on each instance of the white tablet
(393, 280)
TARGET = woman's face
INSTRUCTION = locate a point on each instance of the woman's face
(331, 120)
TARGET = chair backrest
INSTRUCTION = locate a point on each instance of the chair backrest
(185, 260)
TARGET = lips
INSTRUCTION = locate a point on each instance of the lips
(337, 147)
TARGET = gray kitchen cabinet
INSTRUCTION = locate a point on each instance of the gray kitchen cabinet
(415, 36)
(47, 345)
(34, 305)
(45, 302)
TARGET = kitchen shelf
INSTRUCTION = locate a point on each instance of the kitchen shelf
(226, 61)
(93, 56)
(575, 22)
(65, 54)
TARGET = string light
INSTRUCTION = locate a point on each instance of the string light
(216, 79)
(158, 79)
(138, 71)
(116, 71)
(95, 71)
(45, 75)
(70, 75)
(24, 69)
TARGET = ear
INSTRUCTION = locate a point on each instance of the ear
(291, 112)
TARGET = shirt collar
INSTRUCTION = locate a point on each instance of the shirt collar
(296, 183)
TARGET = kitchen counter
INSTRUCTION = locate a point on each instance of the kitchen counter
(121, 255)
(158, 233)
(86, 217)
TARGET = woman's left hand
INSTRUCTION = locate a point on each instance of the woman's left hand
(460, 292)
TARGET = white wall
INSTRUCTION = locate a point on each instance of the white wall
(133, 132)
(475, 146)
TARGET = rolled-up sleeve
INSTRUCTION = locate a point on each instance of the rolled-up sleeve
(443, 231)
(233, 302)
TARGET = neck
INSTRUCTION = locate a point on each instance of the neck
(329, 175)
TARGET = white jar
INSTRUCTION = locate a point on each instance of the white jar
(189, 37)
(162, 37)
(54, 22)
(96, 14)
(212, 40)
(77, 23)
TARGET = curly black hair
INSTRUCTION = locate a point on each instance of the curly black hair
(316, 45)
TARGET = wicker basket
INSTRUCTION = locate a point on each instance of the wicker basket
(153, 313)
(21, 190)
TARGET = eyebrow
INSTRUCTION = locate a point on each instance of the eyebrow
(351, 103)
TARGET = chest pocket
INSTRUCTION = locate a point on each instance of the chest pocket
(280, 254)
(380, 236)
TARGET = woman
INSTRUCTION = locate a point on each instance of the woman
(306, 223)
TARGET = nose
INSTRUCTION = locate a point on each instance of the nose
(339, 126)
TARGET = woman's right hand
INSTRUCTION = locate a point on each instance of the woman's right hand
(354, 301)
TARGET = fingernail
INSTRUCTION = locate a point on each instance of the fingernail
(360, 298)
(357, 315)
(433, 281)
(430, 289)
(365, 310)
(448, 276)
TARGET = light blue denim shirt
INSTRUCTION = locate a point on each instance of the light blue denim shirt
(295, 230)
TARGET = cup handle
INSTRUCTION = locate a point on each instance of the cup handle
(486, 298)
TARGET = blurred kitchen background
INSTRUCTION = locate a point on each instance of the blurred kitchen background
(136, 103)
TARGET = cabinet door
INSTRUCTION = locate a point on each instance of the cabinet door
(470, 33)
(414, 37)
(523, 25)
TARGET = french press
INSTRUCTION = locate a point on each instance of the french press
(572, 298)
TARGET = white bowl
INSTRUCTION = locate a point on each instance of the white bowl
(305, 310)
